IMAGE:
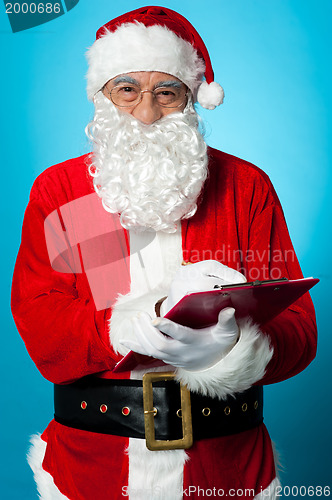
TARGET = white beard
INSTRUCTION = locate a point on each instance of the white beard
(151, 175)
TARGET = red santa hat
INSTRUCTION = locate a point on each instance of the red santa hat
(153, 39)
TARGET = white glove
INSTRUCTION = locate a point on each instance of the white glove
(199, 277)
(192, 349)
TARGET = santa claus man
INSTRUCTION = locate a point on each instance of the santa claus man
(105, 237)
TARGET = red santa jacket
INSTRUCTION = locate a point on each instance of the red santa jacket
(239, 222)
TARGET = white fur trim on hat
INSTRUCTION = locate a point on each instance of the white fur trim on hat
(244, 365)
(135, 47)
(210, 95)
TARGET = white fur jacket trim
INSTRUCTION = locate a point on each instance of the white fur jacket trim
(44, 481)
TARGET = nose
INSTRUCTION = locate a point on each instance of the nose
(147, 110)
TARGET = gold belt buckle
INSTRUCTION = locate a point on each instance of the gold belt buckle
(150, 412)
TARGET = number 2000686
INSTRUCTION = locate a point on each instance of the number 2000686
(33, 8)
(302, 491)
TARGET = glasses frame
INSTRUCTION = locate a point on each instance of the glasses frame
(141, 97)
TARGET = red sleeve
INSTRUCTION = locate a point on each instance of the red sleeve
(293, 333)
(64, 333)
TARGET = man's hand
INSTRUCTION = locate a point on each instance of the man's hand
(181, 346)
(199, 277)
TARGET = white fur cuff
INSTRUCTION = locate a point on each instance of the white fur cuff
(126, 308)
(244, 365)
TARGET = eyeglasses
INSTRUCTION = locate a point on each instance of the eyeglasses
(126, 95)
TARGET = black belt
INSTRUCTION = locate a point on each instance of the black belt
(116, 407)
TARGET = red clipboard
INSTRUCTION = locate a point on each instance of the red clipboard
(261, 300)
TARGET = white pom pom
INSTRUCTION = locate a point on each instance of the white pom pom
(210, 95)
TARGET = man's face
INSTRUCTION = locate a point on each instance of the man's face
(149, 160)
(162, 95)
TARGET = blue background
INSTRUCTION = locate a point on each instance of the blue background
(273, 59)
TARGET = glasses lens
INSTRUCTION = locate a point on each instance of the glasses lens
(170, 97)
(125, 95)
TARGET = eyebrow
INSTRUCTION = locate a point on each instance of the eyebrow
(169, 83)
(126, 79)
(129, 79)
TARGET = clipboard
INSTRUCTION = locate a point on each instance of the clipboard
(261, 300)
